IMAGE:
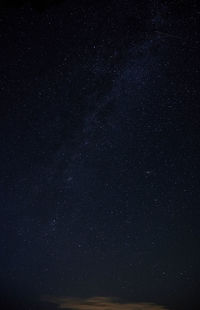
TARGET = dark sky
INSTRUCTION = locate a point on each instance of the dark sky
(99, 153)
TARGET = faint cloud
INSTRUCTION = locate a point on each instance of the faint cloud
(99, 303)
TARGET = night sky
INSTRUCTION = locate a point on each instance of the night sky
(100, 155)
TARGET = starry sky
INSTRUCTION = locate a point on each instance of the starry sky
(100, 147)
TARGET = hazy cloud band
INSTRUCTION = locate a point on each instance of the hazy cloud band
(99, 303)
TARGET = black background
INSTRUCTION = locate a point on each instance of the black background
(99, 134)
